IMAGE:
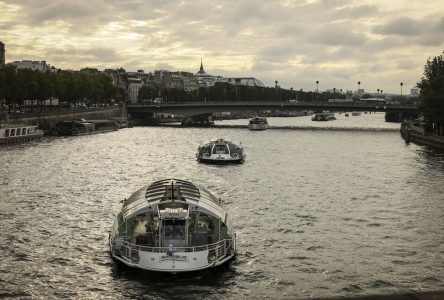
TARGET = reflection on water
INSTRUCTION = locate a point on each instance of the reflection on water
(317, 212)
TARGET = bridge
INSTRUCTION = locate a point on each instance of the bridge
(201, 108)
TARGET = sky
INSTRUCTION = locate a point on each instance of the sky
(380, 43)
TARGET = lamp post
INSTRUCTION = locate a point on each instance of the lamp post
(334, 93)
(401, 84)
(276, 89)
(359, 87)
(317, 86)
(378, 93)
(291, 91)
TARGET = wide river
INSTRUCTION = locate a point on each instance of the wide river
(318, 211)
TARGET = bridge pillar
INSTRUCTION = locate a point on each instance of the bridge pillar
(200, 120)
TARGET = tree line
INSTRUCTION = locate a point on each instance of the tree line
(17, 85)
(432, 90)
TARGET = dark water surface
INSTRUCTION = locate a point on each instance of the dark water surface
(317, 212)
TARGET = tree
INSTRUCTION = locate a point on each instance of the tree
(432, 90)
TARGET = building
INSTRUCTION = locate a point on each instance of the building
(249, 81)
(2, 54)
(134, 85)
(31, 65)
(204, 79)
(414, 92)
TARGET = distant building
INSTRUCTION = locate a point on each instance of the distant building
(2, 54)
(158, 75)
(249, 81)
(31, 65)
(204, 79)
(182, 80)
(134, 85)
(348, 98)
(414, 92)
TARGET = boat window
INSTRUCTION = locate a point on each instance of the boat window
(23, 131)
(6, 132)
(18, 132)
(174, 229)
(12, 132)
(220, 149)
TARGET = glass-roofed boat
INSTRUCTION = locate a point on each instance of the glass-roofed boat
(258, 123)
(220, 151)
(172, 226)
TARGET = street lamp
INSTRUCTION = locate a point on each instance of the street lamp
(401, 84)
(275, 89)
(334, 93)
(317, 86)
(378, 93)
(291, 96)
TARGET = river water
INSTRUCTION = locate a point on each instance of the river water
(317, 213)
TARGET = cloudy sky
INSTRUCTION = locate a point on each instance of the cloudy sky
(296, 42)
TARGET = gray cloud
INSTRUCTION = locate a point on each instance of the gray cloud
(403, 26)
(338, 40)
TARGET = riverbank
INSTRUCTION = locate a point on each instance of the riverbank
(418, 136)
(287, 127)
(47, 120)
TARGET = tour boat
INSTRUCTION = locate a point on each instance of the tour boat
(220, 151)
(258, 123)
(172, 226)
(323, 116)
(14, 133)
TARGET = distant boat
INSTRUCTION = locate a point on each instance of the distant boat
(15, 133)
(258, 123)
(83, 127)
(323, 116)
(172, 226)
(220, 151)
(356, 113)
(346, 114)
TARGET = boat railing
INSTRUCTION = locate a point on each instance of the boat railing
(216, 250)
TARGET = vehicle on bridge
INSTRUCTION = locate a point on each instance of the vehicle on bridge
(220, 152)
(258, 123)
(172, 226)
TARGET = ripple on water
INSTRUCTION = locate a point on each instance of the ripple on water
(60, 261)
(299, 208)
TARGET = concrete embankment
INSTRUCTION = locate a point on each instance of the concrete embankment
(436, 142)
(420, 137)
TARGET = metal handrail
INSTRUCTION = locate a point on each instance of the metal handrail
(220, 248)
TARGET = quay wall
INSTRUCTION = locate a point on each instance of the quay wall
(409, 134)
(436, 142)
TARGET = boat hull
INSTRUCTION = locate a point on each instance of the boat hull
(220, 161)
(20, 139)
(178, 263)
(159, 259)
(257, 126)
